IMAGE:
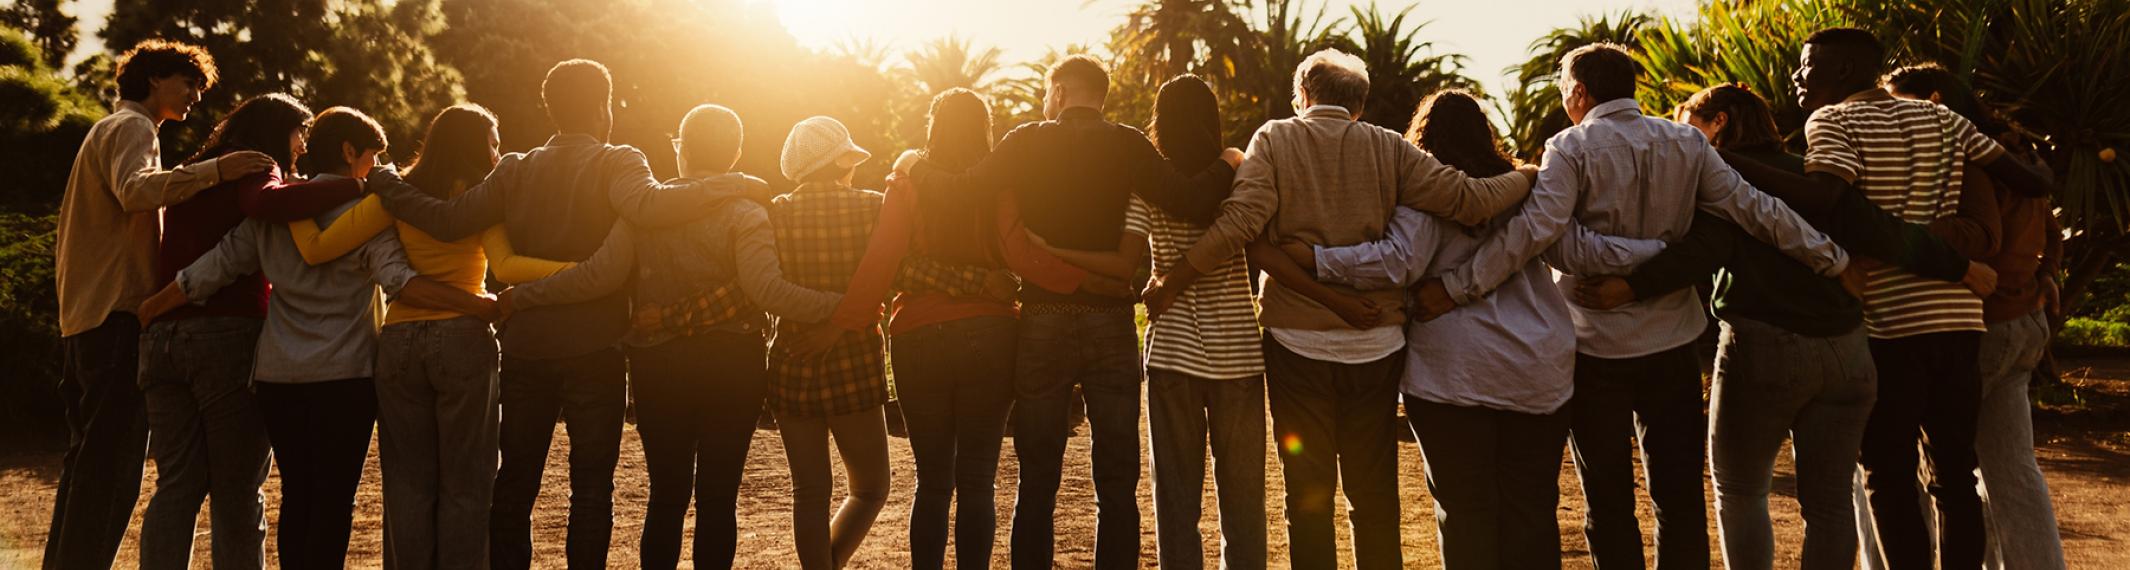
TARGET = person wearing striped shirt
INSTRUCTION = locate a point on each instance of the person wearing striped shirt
(1204, 367)
(1911, 158)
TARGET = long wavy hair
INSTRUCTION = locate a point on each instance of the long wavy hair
(957, 136)
(261, 124)
(1452, 126)
(456, 151)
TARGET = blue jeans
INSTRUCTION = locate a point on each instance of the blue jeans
(955, 382)
(1099, 354)
(1772, 384)
(436, 441)
(2015, 498)
(210, 443)
(1185, 414)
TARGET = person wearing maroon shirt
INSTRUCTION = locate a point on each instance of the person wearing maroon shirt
(954, 354)
(196, 361)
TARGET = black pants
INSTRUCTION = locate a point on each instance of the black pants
(1337, 423)
(1653, 400)
(696, 401)
(1929, 390)
(1495, 476)
(955, 381)
(107, 441)
(588, 393)
(320, 432)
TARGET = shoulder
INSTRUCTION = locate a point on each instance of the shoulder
(1026, 130)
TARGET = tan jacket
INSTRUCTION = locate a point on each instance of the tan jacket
(110, 221)
(1323, 178)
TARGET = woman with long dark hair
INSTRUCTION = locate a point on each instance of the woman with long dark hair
(436, 368)
(1204, 366)
(196, 360)
(1488, 384)
(1793, 361)
(954, 354)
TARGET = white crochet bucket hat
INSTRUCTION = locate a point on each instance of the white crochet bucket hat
(817, 143)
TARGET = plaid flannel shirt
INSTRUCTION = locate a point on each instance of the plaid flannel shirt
(822, 232)
(713, 307)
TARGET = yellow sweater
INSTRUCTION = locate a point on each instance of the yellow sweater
(462, 264)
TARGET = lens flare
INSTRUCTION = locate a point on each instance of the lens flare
(1292, 443)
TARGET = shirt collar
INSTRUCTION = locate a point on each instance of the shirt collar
(1873, 94)
(134, 106)
(1327, 111)
(1613, 107)
(1080, 114)
(570, 139)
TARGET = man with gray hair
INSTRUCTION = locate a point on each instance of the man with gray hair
(1324, 178)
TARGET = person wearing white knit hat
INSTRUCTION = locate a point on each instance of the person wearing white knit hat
(820, 142)
(823, 382)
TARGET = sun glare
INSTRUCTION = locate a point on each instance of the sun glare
(820, 23)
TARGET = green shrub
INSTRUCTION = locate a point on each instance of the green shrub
(29, 329)
(2094, 333)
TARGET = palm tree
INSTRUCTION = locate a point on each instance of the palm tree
(1174, 37)
(950, 62)
(1533, 106)
(1401, 68)
(1287, 33)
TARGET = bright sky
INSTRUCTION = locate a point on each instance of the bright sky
(1493, 33)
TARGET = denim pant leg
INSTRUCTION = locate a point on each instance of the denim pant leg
(1235, 421)
(1109, 380)
(1176, 436)
(100, 477)
(210, 442)
(954, 380)
(1763, 376)
(594, 399)
(406, 446)
(1047, 367)
(2015, 496)
(530, 400)
(465, 382)
(1928, 390)
(664, 379)
(1828, 435)
(436, 389)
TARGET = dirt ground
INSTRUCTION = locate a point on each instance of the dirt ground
(2085, 450)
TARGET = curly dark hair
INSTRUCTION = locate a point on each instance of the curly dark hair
(159, 58)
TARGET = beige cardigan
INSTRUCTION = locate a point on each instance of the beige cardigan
(1323, 178)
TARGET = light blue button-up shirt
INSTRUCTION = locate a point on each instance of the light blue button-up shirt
(1624, 174)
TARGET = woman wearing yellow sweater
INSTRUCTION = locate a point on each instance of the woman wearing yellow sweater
(436, 369)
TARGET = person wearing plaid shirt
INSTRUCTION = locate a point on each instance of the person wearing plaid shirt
(824, 382)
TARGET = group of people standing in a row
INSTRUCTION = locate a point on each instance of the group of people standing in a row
(1883, 291)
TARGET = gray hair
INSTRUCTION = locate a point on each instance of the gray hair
(1331, 77)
